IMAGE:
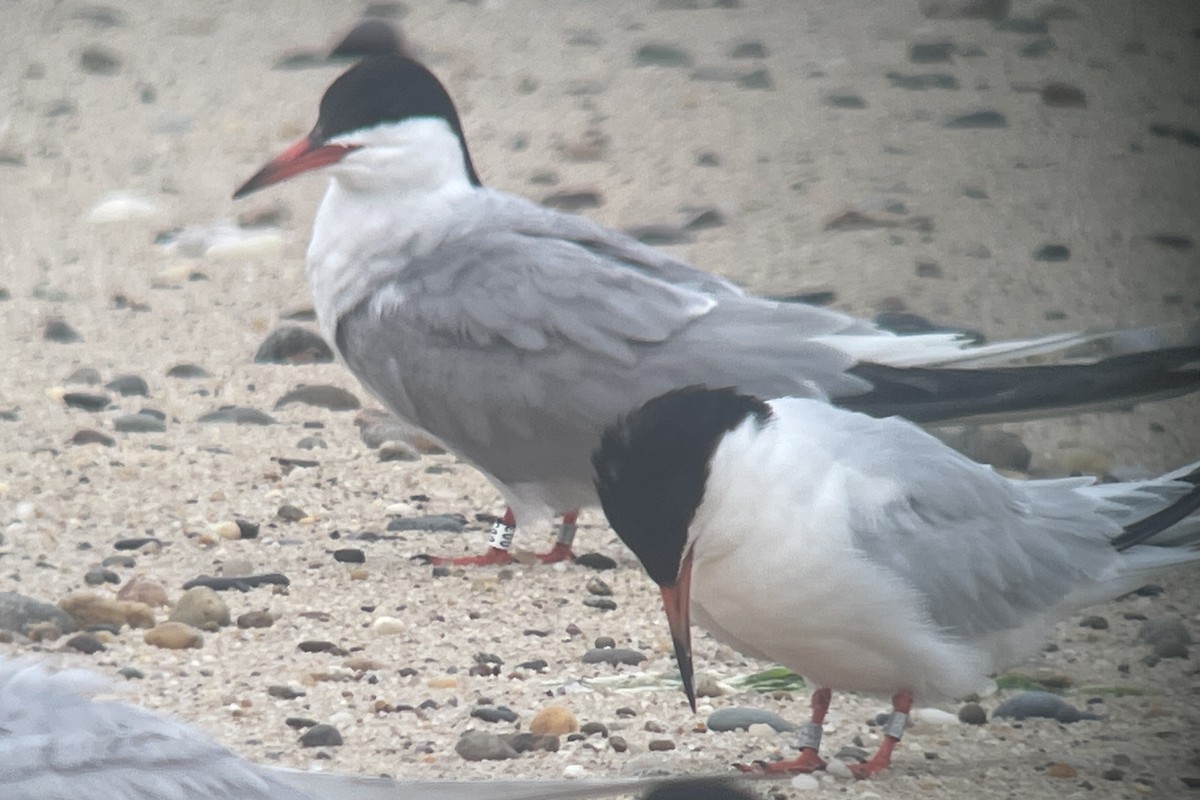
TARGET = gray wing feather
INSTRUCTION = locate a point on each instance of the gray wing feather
(984, 552)
(546, 322)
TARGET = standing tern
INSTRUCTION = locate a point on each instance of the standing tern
(57, 743)
(515, 333)
(865, 554)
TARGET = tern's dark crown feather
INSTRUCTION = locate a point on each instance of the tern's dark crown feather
(652, 467)
(386, 88)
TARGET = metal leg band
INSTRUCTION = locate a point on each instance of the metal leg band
(895, 725)
(810, 736)
(566, 533)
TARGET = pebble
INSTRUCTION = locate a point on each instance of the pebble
(480, 746)
(121, 207)
(592, 728)
(929, 80)
(321, 736)
(595, 561)
(88, 609)
(97, 60)
(604, 642)
(529, 742)
(291, 344)
(201, 607)
(1041, 704)
(1063, 95)
(128, 386)
(350, 555)
(613, 655)
(333, 398)
(977, 119)
(972, 714)
(751, 49)
(136, 543)
(454, 523)
(618, 743)
(573, 200)
(187, 371)
(388, 626)
(398, 451)
(85, 643)
(660, 745)
(241, 583)
(237, 415)
(255, 619)
(86, 401)
(85, 436)
(85, 375)
(804, 783)
(126, 562)
(708, 686)
(930, 52)
(1095, 622)
(1052, 253)
(553, 720)
(140, 422)
(1061, 770)
(321, 646)
(845, 100)
(1168, 637)
(601, 603)
(100, 576)
(657, 54)
(281, 692)
(733, 719)
(994, 10)
(494, 714)
(174, 636)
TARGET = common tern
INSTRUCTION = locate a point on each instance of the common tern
(865, 554)
(58, 743)
(515, 333)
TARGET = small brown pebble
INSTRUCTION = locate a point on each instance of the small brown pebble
(555, 720)
(1060, 770)
(618, 744)
(255, 619)
(174, 636)
(660, 745)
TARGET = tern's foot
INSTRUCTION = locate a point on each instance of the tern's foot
(560, 552)
(493, 556)
(807, 761)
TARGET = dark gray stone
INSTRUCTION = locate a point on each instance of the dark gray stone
(733, 719)
(454, 523)
(494, 714)
(86, 401)
(188, 372)
(128, 386)
(321, 736)
(237, 415)
(977, 119)
(18, 612)
(291, 344)
(480, 746)
(1041, 704)
(140, 422)
(613, 655)
(333, 398)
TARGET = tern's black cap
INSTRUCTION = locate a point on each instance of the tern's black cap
(382, 89)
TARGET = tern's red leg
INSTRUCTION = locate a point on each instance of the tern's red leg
(810, 742)
(502, 533)
(901, 707)
(561, 551)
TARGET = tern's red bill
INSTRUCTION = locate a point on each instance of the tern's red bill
(303, 156)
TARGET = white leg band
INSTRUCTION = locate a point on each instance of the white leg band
(501, 536)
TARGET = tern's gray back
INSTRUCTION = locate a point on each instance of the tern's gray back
(525, 332)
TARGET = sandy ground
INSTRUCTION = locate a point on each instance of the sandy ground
(552, 99)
